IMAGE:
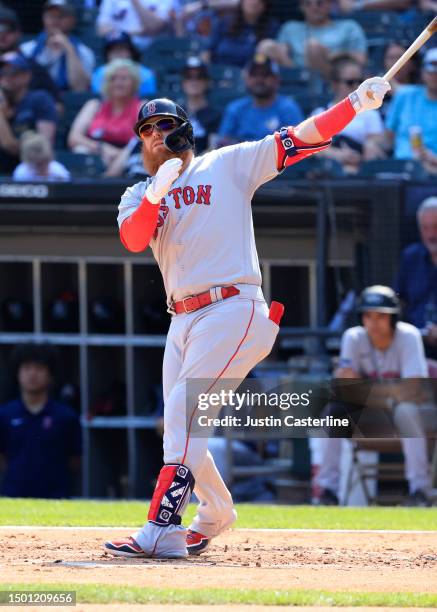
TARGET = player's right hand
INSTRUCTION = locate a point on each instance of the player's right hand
(370, 94)
(167, 173)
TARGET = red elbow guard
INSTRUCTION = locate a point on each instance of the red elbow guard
(335, 119)
(137, 230)
(291, 149)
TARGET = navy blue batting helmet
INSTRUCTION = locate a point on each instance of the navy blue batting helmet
(182, 138)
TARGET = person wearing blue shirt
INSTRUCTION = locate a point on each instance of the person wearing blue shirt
(263, 111)
(235, 36)
(119, 45)
(416, 281)
(415, 106)
(40, 438)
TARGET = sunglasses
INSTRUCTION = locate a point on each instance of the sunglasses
(163, 125)
(349, 82)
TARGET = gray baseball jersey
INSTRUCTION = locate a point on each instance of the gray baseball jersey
(404, 358)
(204, 237)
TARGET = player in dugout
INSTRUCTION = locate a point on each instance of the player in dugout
(195, 212)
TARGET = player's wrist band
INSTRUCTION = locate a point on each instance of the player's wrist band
(335, 119)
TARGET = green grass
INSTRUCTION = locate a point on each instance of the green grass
(103, 594)
(133, 514)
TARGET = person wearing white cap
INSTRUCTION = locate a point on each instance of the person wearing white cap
(412, 118)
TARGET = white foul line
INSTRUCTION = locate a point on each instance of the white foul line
(238, 530)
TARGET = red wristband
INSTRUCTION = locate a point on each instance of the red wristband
(137, 230)
(335, 119)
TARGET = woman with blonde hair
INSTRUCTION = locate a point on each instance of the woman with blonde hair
(103, 127)
(37, 163)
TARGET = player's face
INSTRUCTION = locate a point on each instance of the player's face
(428, 230)
(33, 377)
(377, 324)
(154, 151)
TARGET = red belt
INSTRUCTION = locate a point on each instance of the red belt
(195, 302)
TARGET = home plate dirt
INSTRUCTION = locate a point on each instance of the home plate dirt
(247, 559)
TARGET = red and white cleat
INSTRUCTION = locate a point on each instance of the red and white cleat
(196, 542)
(125, 548)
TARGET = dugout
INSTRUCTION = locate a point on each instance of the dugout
(73, 284)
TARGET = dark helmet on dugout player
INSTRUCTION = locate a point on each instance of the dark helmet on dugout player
(379, 298)
(182, 138)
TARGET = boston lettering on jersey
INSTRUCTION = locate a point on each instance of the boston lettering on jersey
(187, 195)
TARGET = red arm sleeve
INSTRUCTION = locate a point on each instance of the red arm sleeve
(335, 119)
(137, 230)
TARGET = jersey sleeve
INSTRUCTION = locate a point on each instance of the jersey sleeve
(349, 352)
(251, 163)
(130, 200)
(413, 361)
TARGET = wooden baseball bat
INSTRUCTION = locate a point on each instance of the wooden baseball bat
(430, 29)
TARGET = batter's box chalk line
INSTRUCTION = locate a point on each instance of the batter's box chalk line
(145, 562)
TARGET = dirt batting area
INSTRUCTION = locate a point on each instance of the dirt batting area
(239, 559)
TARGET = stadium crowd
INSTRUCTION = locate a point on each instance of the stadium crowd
(243, 68)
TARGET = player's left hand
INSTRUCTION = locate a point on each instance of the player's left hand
(370, 94)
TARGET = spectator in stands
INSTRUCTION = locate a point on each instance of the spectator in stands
(21, 109)
(263, 111)
(205, 120)
(37, 163)
(363, 138)
(69, 62)
(198, 19)
(141, 19)
(40, 438)
(10, 37)
(383, 350)
(314, 42)
(349, 6)
(407, 74)
(412, 118)
(235, 36)
(119, 45)
(195, 85)
(103, 128)
(416, 281)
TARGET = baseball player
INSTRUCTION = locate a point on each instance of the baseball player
(195, 212)
(382, 349)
